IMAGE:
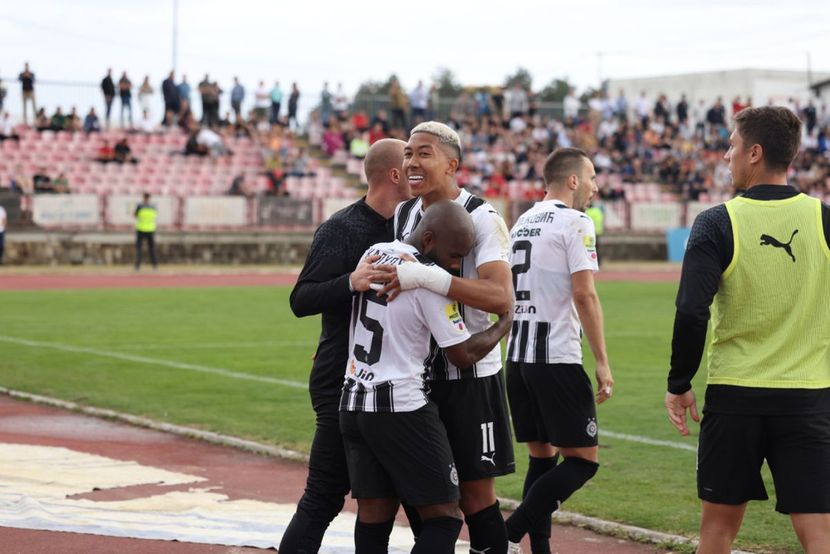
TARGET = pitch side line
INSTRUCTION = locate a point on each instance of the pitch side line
(647, 440)
(214, 345)
(274, 381)
(156, 361)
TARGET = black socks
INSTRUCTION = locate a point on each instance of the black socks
(438, 536)
(540, 532)
(547, 493)
(372, 538)
(487, 530)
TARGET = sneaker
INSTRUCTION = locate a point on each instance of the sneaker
(514, 548)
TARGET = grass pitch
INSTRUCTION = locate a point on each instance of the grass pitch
(233, 360)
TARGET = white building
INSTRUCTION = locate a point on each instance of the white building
(763, 86)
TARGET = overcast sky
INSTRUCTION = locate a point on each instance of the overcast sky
(481, 42)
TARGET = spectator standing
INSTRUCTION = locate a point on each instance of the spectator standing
(419, 101)
(125, 93)
(621, 106)
(642, 109)
(145, 230)
(209, 91)
(763, 259)
(682, 111)
(699, 118)
(325, 286)
(237, 97)
(205, 94)
(184, 94)
(716, 116)
(340, 104)
(519, 102)
(662, 109)
(276, 101)
(497, 97)
(145, 94)
(293, 101)
(325, 104)
(397, 105)
(3, 220)
(262, 102)
(810, 117)
(27, 86)
(108, 89)
(170, 93)
(571, 106)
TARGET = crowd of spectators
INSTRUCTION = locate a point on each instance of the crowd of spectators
(272, 123)
(506, 139)
(506, 135)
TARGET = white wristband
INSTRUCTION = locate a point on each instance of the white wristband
(416, 275)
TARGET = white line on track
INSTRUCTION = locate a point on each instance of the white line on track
(275, 381)
(155, 361)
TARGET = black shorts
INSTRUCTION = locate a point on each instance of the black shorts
(732, 449)
(552, 403)
(402, 454)
(474, 412)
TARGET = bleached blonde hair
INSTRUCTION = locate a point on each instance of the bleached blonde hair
(446, 135)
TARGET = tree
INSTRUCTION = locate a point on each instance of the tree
(448, 87)
(587, 95)
(555, 91)
(522, 77)
(372, 95)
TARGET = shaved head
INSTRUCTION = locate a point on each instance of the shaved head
(384, 155)
(445, 233)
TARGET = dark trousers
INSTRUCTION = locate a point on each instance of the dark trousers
(108, 102)
(2, 245)
(275, 112)
(327, 483)
(126, 104)
(150, 239)
(398, 120)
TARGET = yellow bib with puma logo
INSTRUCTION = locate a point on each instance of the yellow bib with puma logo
(771, 317)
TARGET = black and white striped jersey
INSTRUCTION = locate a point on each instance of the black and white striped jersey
(491, 245)
(548, 244)
(390, 343)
